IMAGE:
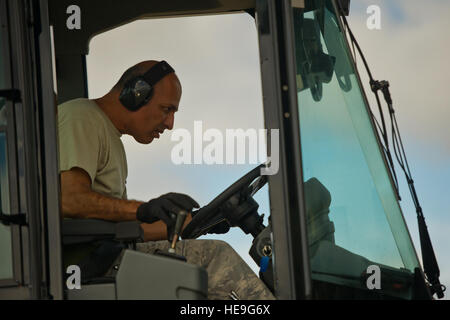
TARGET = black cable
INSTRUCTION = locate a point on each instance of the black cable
(375, 86)
(401, 145)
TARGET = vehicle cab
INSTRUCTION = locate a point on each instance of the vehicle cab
(335, 219)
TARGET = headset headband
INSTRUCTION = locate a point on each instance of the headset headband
(157, 72)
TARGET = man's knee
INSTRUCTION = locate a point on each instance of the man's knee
(207, 243)
(207, 250)
(213, 245)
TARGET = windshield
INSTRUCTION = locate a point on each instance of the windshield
(354, 219)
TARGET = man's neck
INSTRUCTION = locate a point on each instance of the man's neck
(116, 113)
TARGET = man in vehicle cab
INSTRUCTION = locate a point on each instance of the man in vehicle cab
(93, 170)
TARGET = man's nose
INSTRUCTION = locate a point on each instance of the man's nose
(168, 123)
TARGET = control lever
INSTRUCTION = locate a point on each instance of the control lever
(181, 217)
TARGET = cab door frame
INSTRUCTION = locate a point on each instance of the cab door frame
(35, 135)
(11, 159)
(49, 148)
(292, 275)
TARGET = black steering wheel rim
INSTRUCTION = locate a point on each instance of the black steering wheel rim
(209, 215)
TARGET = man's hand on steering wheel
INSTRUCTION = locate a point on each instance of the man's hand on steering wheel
(165, 208)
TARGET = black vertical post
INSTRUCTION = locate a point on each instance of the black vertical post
(276, 41)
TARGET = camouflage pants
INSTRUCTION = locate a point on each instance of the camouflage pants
(227, 271)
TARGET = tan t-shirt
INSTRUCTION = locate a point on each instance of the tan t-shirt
(89, 140)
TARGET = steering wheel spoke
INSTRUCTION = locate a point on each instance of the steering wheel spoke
(212, 214)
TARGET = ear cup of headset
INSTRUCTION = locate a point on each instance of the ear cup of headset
(139, 90)
(136, 93)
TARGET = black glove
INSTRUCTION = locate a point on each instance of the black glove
(165, 208)
(220, 228)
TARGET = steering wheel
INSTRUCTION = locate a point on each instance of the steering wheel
(211, 214)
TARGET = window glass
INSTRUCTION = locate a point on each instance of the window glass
(354, 219)
(221, 82)
(6, 271)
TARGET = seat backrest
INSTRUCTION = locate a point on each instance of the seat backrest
(317, 203)
(93, 245)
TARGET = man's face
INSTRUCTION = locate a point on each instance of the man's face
(150, 121)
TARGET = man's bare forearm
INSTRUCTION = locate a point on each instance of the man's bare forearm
(93, 205)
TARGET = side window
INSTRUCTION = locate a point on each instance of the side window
(6, 263)
(5, 232)
(213, 97)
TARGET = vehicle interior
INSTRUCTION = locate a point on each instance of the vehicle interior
(352, 219)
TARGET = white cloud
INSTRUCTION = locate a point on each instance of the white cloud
(413, 55)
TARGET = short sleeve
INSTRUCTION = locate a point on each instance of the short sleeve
(125, 195)
(79, 144)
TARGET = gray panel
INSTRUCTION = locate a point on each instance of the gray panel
(150, 277)
(15, 293)
(104, 291)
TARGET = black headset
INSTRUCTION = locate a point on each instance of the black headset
(139, 90)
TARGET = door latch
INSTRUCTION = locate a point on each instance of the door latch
(12, 95)
(15, 219)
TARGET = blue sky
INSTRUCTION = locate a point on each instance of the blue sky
(217, 60)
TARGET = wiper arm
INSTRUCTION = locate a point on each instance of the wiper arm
(430, 264)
